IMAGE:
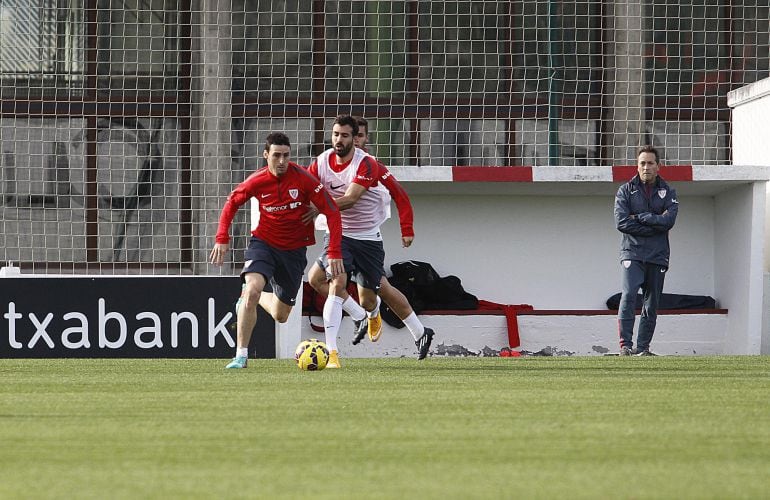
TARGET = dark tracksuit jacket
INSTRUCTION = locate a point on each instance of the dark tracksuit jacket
(644, 242)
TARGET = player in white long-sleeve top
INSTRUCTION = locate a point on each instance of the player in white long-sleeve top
(358, 183)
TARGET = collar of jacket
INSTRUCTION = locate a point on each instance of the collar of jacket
(659, 182)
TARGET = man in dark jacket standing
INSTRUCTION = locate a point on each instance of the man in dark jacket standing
(645, 211)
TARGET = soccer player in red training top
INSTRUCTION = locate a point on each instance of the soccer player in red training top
(353, 177)
(277, 250)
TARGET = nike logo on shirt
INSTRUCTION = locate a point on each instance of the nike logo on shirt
(264, 195)
(332, 186)
(634, 192)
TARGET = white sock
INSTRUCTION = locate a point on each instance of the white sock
(414, 324)
(354, 309)
(242, 352)
(332, 315)
(373, 313)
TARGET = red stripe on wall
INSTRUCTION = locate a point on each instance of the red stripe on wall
(492, 174)
(624, 173)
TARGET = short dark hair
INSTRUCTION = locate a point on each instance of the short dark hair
(347, 120)
(648, 148)
(361, 121)
(276, 139)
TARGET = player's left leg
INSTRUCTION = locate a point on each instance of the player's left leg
(258, 269)
(254, 282)
(369, 264)
(285, 283)
(370, 301)
(320, 282)
(278, 309)
(654, 277)
(398, 303)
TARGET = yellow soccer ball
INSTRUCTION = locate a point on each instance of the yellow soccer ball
(311, 355)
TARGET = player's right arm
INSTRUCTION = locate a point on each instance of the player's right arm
(366, 177)
(326, 205)
(217, 255)
(235, 200)
(352, 194)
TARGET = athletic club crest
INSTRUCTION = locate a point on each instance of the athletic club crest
(294, 193)
(662, 193)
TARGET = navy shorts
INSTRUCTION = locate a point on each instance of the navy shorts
(282, 269)
(364, 260)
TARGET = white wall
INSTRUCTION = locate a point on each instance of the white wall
(552, 243)
(678, 335)
(750, 135)
(739, 259)
(553, 252)
(751, 107)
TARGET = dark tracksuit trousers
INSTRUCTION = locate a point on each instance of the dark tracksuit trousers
(649, 278)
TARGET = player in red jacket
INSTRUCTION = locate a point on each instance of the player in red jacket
(276, 255)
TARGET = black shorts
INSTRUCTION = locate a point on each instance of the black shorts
(364, 260)
(282, 269)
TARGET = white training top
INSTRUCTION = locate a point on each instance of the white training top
(361, 221)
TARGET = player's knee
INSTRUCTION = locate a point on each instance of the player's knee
(338, 286)
(386, 292)
(316, 277)
(251, 294)
(367, 299)
(281, 316)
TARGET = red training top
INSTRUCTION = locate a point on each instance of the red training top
(403, 205)
(282, 203)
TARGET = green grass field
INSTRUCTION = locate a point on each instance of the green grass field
(587, 427)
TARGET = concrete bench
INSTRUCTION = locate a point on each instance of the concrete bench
(580, 332)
